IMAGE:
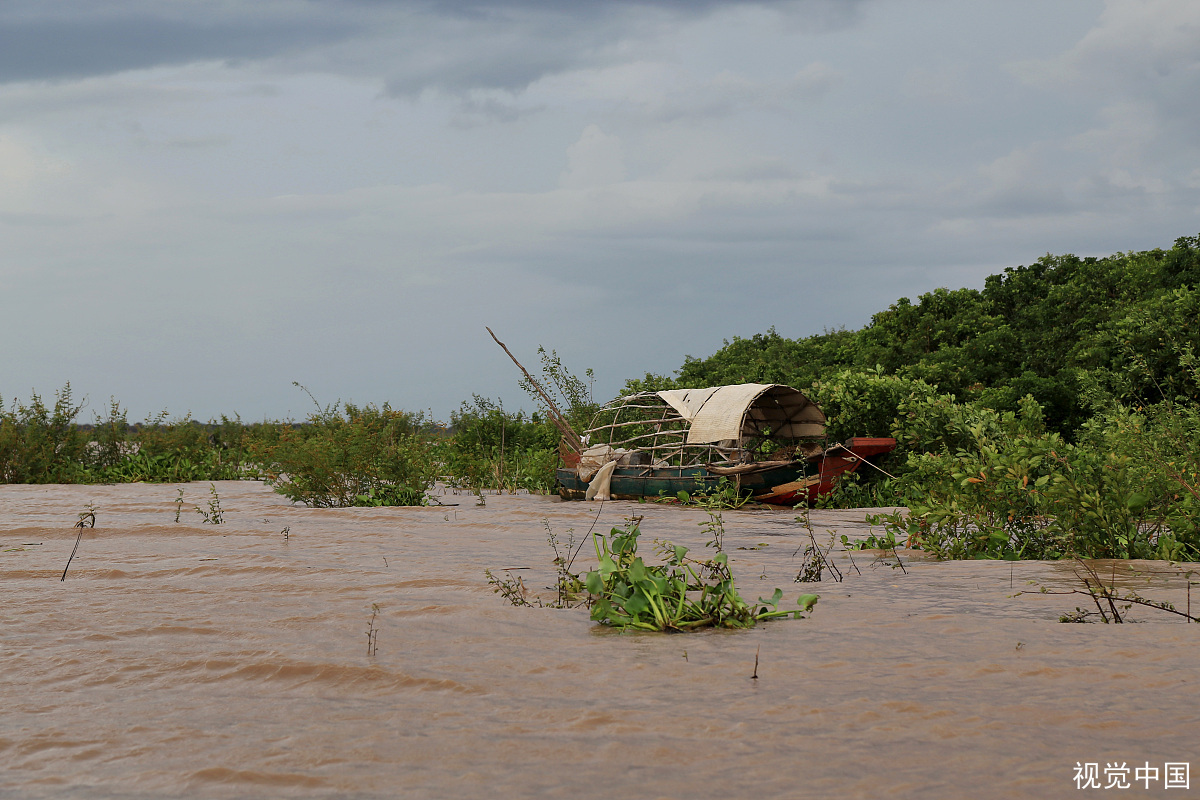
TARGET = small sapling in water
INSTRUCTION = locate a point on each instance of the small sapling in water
(510, 588)
(372, 632)
(214, 515)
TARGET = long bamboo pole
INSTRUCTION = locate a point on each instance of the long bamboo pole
(556, 416)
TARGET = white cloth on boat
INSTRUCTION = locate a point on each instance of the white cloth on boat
(595, 457)
(714, 413)
(688, 402)
(601, 486)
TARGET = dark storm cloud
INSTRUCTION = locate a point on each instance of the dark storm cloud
(452, 44)
(104, 40)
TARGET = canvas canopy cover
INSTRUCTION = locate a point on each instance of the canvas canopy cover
(721, 413)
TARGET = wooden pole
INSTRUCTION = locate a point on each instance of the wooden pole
(560, 421)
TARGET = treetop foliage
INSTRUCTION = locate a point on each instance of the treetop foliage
(1071, 332)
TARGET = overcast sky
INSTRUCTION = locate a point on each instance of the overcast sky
(202, 201)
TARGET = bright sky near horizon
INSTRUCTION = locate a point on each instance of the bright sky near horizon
(203, 201)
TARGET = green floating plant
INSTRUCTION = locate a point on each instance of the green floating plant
(683, 594)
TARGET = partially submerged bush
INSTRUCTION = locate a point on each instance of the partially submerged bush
(40, 444)
(997, 485)
(348, 455)
(494, 449)
(684, 594)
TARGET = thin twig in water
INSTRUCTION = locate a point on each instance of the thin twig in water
(1094, 587)
(1188, 575)
(754, 677)
(899, 561)
(587, 537)
(833, 569)
(819, 559)
(89, 517)
(850, 555)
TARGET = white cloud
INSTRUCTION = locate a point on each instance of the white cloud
(597, 159)
(814, 80)
(1132, 42)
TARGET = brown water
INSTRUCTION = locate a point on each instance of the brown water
(192, 660)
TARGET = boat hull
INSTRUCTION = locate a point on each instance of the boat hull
(633, 483)
(788, 484)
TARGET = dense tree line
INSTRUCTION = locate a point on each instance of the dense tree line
(1066, 330)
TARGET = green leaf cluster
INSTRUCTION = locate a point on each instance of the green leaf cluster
(683, 594)
(44, 444)
(490, 448)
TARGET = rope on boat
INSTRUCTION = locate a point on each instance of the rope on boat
(862, 459)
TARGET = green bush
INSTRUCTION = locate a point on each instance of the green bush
(349, 455)
(994, 484)
(865, 403)
(490, 448)
(49, 445)
(43, 445)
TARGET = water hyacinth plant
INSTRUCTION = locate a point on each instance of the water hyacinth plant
(682, 595)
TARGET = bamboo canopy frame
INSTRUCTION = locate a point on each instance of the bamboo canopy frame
(770, 423)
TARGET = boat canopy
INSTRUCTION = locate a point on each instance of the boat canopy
(733, 412)
(721, 424)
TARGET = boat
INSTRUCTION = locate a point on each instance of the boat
(766, 440)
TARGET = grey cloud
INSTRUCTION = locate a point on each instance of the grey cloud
(23, 101)
(1143, 61)
(493, 43)
(198, 142)
(78, 46)
(475, 111)
(729, 94)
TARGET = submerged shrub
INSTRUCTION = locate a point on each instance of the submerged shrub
(350, 455)
(997, 485)
(684, 594)
(39, 444)
(494, 449)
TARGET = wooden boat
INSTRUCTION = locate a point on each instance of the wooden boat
(768, 440)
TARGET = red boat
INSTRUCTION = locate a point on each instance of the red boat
(831, 466)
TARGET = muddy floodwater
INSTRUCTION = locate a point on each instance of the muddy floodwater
(184, 659)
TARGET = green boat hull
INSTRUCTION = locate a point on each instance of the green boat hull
(632, 483)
